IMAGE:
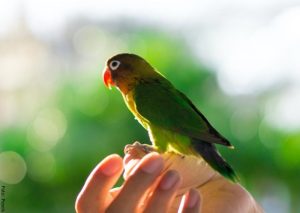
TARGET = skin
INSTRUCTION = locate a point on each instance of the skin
(217, 195)
(97, 194)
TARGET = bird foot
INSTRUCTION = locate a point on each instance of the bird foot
(139, 149)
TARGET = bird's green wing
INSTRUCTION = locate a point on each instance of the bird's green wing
(161, 104)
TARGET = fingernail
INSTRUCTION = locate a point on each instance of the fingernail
(192, 198)
(152, 165)
(111, 167)
(169, 180)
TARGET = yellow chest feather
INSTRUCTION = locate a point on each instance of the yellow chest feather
(163, 140)
(128, 98)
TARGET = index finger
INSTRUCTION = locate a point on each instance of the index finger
(138, 184)
(94, 194)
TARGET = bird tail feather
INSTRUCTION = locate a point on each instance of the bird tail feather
(210, 154)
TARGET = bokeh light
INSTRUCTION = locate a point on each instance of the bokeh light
(41, 166)
(47, 129)
(12, 167)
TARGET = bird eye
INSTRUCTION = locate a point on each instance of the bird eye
(114, 64)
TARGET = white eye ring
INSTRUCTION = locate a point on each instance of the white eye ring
(114, 64)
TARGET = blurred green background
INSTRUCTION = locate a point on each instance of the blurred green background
(58, 120)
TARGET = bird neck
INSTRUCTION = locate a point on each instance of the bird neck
(126, 86)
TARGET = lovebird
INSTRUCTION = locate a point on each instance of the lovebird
(173, 122)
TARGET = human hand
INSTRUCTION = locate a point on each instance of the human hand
(147, 188)
(218, 194)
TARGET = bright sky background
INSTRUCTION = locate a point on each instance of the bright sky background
(252, 45)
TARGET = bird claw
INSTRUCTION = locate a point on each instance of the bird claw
(138, 149)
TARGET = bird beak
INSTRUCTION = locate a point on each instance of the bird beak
(107, 78)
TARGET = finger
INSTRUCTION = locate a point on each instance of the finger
(190, 202)
(129, 164)
(115, 191)
(164, 194)
(95, 191)
(138, 182)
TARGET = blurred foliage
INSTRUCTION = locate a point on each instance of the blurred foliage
(97, 123)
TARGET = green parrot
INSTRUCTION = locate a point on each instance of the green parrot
(173, 122)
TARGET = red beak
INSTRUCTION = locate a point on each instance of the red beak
(107, 78)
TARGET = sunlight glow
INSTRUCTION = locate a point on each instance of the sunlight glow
(47, 129)
(283, 111)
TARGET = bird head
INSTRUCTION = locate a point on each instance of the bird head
(125, 70)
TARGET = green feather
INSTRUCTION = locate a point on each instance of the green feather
(160, 103)
(175, 124)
